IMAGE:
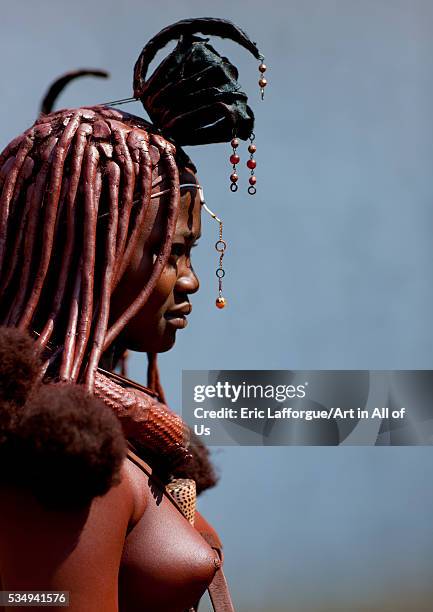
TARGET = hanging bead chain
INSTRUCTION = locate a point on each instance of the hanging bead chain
(262, 81)
(234, 160)
(251, 164)
(220, 246)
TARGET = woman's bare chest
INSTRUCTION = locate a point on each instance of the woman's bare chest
(166, 564)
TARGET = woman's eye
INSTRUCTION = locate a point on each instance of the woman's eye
(177, 250)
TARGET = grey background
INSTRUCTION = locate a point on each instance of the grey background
(329, 266)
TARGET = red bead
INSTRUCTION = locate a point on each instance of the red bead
(262, 67)
(234, 177)
(251, 163)
(235, 143)
(252, 148)
(234, 159)
(263, 82)
(252, 180)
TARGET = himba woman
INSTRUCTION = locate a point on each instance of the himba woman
(99, 212)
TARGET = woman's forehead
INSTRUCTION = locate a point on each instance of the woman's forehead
(189, 220)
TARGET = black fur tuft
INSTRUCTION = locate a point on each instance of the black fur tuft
(19, 365)
(63, 445)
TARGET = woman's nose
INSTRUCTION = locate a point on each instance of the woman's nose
(187, 281)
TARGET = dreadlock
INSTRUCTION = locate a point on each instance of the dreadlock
(76, 186)
(75, 192)
(70, 190)
(60, 83)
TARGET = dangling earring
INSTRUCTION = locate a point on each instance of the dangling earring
(234, 160)
(234, 157)
(251, 164)
(220, 246)
(262, 81)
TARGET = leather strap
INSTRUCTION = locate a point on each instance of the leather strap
(145, 468)
(219, 593)
(218, 589)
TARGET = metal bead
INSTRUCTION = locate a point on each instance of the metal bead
(262, 67)
(234, 177)
(252, 180)
(220, 302)
(263, 82)
(252, 148)
(235, 143)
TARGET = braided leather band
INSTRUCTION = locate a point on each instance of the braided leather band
(145, 421)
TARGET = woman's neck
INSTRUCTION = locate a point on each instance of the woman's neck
(112, 357)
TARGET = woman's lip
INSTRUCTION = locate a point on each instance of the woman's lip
(179, 321)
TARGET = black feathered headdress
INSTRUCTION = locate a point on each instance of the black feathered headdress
(193, 96)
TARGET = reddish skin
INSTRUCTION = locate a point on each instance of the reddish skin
(164, 564)
(150, 330)
(171, 172)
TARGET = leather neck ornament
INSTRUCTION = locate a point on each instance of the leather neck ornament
(146, 421)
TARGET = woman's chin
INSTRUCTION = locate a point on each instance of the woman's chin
(159, 344)
(166, 345)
